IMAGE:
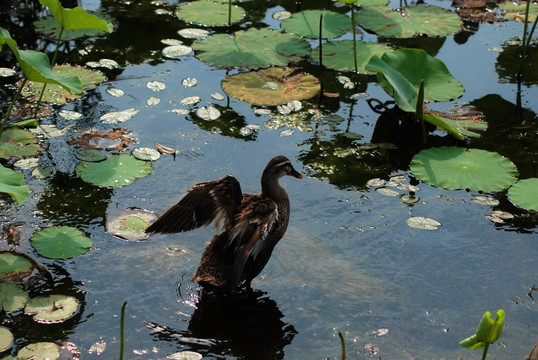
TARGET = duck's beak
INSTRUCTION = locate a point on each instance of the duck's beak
(295, 174)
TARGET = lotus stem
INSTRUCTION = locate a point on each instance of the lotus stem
(354, 38)
(8, 112)
(229, 13)
(321, 54)
(343, 345)
(485, 352)
(122, 325)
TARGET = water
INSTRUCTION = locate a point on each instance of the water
(349, 262)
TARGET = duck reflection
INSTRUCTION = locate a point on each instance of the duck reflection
(247, 325)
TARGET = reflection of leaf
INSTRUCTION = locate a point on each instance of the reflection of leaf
(306, 23)
(116, 171)
(272, 86)
(465, 120)
(11, 182)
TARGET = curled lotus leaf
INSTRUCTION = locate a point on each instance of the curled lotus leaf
(272, 86)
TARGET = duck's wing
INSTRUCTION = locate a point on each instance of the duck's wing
(217, 200)
(252, 227)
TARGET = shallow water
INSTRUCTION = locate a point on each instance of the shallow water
(349, 262)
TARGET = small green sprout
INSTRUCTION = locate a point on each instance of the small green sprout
(487, 333)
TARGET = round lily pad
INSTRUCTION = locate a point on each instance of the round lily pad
(12, 298)
(52, 309)
(209, 13)
(423, 223)
(272, 86)
(14, 265)
(409, 21)
(306, 23)
(39, 351)
(18, 142)
(90, 155)
(252, 49)
(524, 194)
(459, 168)
(338, 55)
(130, 225)
(147, 154)
(116, 171)
(6, 338)
(61, 242)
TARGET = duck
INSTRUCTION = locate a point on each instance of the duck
(249, 225)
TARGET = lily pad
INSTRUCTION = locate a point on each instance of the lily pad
(524, 194)
(409, 21)
(252, 49)
(209, 13)
(39, 351)
(116, 171)
(11, 183)
(12, 298)
(18, 142)
(515, 10)
(147, 154)
(115, 117)
(16, 267)
(90, 155)
(423, 223)
(272, 86)
(306, 23)
(52, 309)
(6, 338)
(56, 94)
(61, 242)
(338, 55)
(459, 168)
(130, 225)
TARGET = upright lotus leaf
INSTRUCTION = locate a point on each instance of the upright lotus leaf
(61, 242)
(116, 171)
(252, 49)
(488, 331)
(338, 55)
(52, 309)
(39, 351)
(401, 71)
(36, 67)
(12, 297)
(11, 183)
(459, 168)
(76, 18)
(409, 21)
(524, 194)
(272, 86)
(55, 94)
(50, 27)
(306, 23)
(209, 13)
(18, 142)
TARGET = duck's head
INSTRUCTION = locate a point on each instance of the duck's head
(280, 166)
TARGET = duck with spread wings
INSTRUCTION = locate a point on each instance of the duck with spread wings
(251, 225)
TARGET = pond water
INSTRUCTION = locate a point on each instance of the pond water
(349, 262)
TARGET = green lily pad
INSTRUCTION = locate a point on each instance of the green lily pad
(524, 194)
(306, 23)
(14, 266)
(130, 225)
(90, 155)
(61, 242)
(49, 26)
(272, 86)
(55, 94)
(6, 338)
(459, 168)
(12, 298)
(409, 21)
(52, 309)
(18, 142)
(338, 55)
(116, 171)
(11, 183)
(39, 351)
(516, 10)
(252, 49)
(209, 13)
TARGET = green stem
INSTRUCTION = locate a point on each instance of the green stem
(8, 112)
(229, 13)
(485, 351)
(122, 324)
(354, 38)
(343, 344)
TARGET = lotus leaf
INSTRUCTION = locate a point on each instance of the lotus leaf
(14, 266)
(272, 86)
(459, 168)
(130, 225)
(423, 223)
(515, 10)
(339, 54)
(12, 298)
(18, 142)
(11, 183)
(50, 27)
(209, 13)
(6, 338)
(409, 21)
(524, 194)
(60, 242)
(116, 171)
(252, 49)
(306, 23)
(52, 309)
(55, 94)
(39, 351)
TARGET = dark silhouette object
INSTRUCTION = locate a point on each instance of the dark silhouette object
(251, 225)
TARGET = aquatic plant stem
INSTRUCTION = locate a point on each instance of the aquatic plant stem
(343, 345)
(485, 352)
(229, 13)
(122, 325)
(354, 38)
(8, 112)
(321, 54)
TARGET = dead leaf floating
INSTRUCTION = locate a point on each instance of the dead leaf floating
(156, 85)
(118, 116)
(423, 223)
(147, 154)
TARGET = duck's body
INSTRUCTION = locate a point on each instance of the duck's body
(251, 224)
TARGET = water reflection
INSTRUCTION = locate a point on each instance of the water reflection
(246, 326)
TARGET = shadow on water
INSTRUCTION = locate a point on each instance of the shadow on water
(246, 326)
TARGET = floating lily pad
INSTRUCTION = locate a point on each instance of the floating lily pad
(252, 49)
(52, 309)
(60, 242)
(116, 139)
(6, 338)
(208, 113)
(15, 267)
(423, 223)
(524, 194)
(130, 225)
(115, 117)
(90, 155)
(306, 23)
(185, 355)
(18, 142)
(515, 10)
(174, 51)
(12, 298)
(11, 183)
(338, 55)
(458, 168)
(116, 171)
(272, 86)
(209, 13)
(147, 154)
(56, 94)
(409, 21)
(39, 351)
